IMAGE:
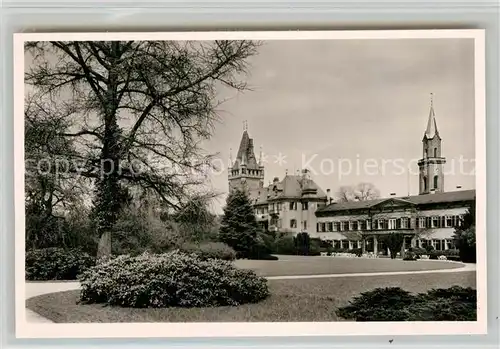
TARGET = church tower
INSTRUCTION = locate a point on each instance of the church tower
(245, 172)
(431, 165)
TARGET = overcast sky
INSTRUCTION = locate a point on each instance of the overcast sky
(363, 101)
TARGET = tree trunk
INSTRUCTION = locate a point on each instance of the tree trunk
(108, 194)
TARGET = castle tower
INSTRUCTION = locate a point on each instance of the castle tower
(245, 172)
(431, 165)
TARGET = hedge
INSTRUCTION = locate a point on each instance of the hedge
(170, 279)
(210, 250)
(55, 263)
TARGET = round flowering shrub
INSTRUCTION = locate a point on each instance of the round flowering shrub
(210, 250)
(170, 279)
(56, 263)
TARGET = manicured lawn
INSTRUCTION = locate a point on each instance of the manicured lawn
(291, 300)
(299, 265)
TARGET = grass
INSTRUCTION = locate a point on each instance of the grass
(291, 300)
(298, 265)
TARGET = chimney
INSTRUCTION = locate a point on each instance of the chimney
(328, 198)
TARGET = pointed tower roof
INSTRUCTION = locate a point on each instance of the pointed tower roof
(432, 129)
(246, 153)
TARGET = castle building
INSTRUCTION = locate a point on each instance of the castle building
(297, 204)
(429, 218)
(287, 205)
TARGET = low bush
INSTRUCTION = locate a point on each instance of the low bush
(314, 248)
(410, 256)
(56, 263)
(210, 250)
(170, 279)
(419, 251)
(395, 304)
(449, 254)
(286, 245)
(356, 251)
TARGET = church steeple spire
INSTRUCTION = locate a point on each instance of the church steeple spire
(432, 129)
(431, 164)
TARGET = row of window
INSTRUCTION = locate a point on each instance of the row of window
(438, 244)
(247, 171)
(392, 223)
(280, 206)
(293, 223)
(426, 154)
(435, 183)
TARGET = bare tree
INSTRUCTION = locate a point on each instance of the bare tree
(366, 191)
(139, 111)
(360, 192)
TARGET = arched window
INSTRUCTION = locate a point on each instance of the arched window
(435, 182)
(435, 152)
(425, 183)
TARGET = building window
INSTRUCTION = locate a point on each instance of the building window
(362, 225)
(380, 224)
(438, 245)
(305, 206)
(293, 223)
(421, 222)
(345, 244)
(448, 222)
(323, 226)
(330, 226)
(435, 182)
(344, 226)
(392, 223)
(404, 223)
(336, 243)
(335, 226)
(368, 224)
(435, 152)
(304, 225)
(293, 206)
(351, 225)
(425, 183)
(435, 222)
(355, 225)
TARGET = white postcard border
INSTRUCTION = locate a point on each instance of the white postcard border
(25, 329)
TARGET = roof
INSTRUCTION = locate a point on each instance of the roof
(446, 197)
(290, 187)
(246, 153)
